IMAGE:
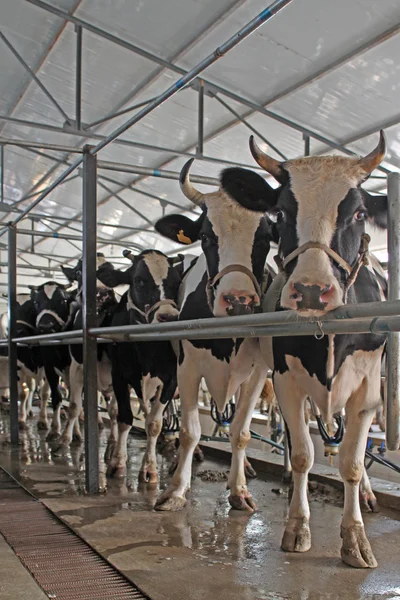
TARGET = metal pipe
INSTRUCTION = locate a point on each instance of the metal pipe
(89, 216)
(40, 145)
(2, 173)
(233, 41)
(34, 76)
(200, 130)
(78, 77)
(378, 325)
(307, 146)
(250, 127)
(148, 172)
(119, 113)
(393, 343)
(12, 327)
(70, 237)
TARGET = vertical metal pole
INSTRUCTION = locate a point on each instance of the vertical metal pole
(33, 238)
(89, 218)
(78, 83)
(12, 346)
(393, 342)
(2, 173)
(306, 139)
(200, 140)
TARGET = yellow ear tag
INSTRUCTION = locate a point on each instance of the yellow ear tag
(183, 238)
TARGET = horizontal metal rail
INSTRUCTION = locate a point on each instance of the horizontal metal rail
(372, 317)
(163, 173)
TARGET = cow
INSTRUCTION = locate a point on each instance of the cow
(224, 281)
(30, 371)
(148, 367)
(105, 305)
(55, 308)
(320, 211)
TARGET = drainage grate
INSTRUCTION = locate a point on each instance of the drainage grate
(64, 566)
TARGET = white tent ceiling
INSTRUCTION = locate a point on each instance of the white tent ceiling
(305, 65)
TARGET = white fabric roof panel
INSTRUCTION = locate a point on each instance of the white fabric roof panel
(305, 37)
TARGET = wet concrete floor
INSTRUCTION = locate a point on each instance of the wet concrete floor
(205, 551)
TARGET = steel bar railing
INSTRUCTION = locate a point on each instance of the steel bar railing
(163, 173)
(12, 324)
(393, 343)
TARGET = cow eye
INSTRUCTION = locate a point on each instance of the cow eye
(204, 237)
(360, 215)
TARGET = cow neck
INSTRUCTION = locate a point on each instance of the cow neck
(235, 268)
(148, 309)
(352, 271)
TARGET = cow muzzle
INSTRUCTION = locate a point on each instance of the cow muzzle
(240, 303)
(230, 301)
(311, 297)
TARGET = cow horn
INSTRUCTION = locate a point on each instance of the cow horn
(374, 158)
(128, 254)
(272, 166)
(187, 188)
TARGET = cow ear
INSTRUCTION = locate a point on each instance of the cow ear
(112, 277)
(249, 189)
(179, 228)
(34, 288)
(69, 273)
(377, 207)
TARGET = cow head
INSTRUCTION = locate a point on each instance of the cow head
(53, 306)
(105, 297)
(153, 282)
(234, 240)
(25, 316)
(320, 211)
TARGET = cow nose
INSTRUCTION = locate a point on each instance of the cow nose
(165, 317)
(240, 303)
(315, 297)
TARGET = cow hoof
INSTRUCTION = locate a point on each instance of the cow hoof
(369, 503)
(356, 550)
(249, 471)
(297, 536)
(198, 454)
(242, 501)
(52, 436)
(114, 472)
(172, 504)
(146, 476)
(22, 426)
(42, 425)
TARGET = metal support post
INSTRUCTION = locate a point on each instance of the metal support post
(393, 342)
(33, 238)
(89, 210)
(78, 80)
(200, 131)
(306, 139)
(12, 346)
(2, 173)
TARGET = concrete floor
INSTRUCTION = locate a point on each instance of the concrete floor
(205, 551)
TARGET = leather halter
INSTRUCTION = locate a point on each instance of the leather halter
(20, 322)
(212, 281)
(148, 310)
(352, 271)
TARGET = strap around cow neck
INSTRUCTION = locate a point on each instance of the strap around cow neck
(28, 325)
(212, 281)
(148, 310)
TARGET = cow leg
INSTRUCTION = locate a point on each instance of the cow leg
(44, 395)
(240, 497)
(23, 394)
(75, 405)
(117, 466)
(56, 401)
(356, 550)
(174, 498)
(112, 408)
(31, 391)
(297, 536)
(368, 501)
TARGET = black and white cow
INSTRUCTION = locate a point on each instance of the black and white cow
(29, 366)
(105, 306)
(54, 307)
(224, 281)
(320, 211)
(148, 367)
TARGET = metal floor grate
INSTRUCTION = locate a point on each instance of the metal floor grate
(64, 566)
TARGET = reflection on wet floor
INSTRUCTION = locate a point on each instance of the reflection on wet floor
(205, 551)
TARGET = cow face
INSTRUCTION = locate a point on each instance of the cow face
(53, 305)
(230, 236)
(320, 201)
(152, 278)
(25, 317)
